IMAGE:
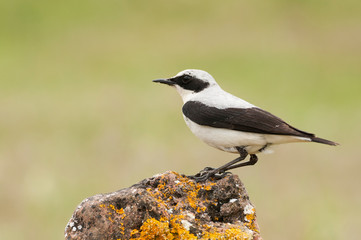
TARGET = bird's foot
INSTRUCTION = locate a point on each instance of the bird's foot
(202, 175)
(206, 169)
(206, 173)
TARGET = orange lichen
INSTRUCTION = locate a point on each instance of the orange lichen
(113, 210)
(190, 188)
(229, 234)
(173, 223)
(162, 229)
(250, 222)
(236, 233)
(117, 214)
(154, 229)
(170, 225)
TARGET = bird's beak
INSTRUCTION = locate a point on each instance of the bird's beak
(165, 81)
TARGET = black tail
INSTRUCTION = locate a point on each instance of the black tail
(324, 141)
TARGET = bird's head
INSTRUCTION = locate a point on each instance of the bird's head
(189, 82)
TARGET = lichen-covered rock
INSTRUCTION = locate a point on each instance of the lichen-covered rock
(168, 206)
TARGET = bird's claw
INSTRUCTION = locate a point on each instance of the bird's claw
(221, 175)
(203, 175)
(206, 173)
(207, 169)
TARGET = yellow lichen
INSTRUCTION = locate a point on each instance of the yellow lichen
(250, 220)
(174, 226)
(154, 229)
(236, 233)
(162, 229)
(191, 189)
(112, 211)
(229, 234)
(163, 195)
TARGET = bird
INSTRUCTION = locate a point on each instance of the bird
(229, 123)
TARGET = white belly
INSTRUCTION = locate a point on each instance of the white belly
(227, 140)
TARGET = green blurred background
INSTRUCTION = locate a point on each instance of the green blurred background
(79, 114)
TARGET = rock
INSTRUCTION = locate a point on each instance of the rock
(168, 206)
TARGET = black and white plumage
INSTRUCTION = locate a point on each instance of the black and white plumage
(229, 123)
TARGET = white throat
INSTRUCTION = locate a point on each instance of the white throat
(185, 94)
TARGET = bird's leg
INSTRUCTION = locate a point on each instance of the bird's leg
(206, 174)
(243, 154)
(252, 161)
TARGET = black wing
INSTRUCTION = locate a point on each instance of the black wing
(253, 120)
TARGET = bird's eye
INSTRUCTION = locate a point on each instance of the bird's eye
(186, 79)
